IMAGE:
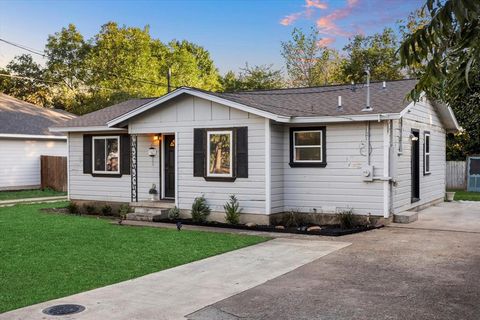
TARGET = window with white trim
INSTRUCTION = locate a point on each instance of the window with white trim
(307, 147)
(106, 154)
(426, 153)
(219, 153)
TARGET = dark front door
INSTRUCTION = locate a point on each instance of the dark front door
(415, 165)
(169, 166)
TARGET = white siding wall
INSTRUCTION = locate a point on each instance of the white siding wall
(148, 169)
(20, 160)
(181, 116)
(85, 186)
(432, 187)
(340, 184)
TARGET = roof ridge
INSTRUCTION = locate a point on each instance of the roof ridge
(309, 87)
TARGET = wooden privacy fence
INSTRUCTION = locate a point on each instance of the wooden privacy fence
(456, 175)
(53, 172)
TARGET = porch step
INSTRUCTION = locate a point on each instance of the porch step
(150, 210)
(405, 217)
(162, 204)
(148, 214)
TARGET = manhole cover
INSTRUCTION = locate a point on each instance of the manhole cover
(63, 309)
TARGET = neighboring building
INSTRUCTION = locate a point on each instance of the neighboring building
(24, 137)
(276, 150)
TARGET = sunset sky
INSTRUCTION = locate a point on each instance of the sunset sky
(233, 31)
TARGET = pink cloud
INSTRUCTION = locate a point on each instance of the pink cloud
(291, 18)
(327, 23)
(309, 6)
(315, 4)
(325, 42)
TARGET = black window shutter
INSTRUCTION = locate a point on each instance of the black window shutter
(125, 154)
(87, 154)
(199, 147)
(242, 152)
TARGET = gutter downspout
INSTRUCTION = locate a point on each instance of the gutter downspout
(387, 137)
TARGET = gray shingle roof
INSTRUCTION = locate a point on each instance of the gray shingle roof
(322, 101)
(295, 102)
(102, 116)
(20, 117)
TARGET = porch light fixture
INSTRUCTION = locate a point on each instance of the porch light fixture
(413, 137)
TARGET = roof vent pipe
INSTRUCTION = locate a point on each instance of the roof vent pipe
(368, 107)
(339, 106)
(384, 85)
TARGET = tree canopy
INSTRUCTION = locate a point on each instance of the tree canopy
(447, 45)
(253, 78)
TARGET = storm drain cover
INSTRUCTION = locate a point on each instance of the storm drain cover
(63, 309)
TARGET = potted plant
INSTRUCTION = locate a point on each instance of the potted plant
(153, 192)
(450, 195)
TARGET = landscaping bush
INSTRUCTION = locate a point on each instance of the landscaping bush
(106, 210)
(124, 210)
(173, 213)
(347, 219)
(88, 208)
(232, 210)
(200, 209)
(72, 207)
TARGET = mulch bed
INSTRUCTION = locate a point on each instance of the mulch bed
(326, 230)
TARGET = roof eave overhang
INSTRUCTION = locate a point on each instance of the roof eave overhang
(31, 136)
(85, 129)
(346, 118)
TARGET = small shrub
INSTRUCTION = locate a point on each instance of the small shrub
(72, 208)
(106, 210)
(200, 209)
(347, 219)
(124, 210)
(88, 208)
(173, 213)
(293, 218)
(232, 210)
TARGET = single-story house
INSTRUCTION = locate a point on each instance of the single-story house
(24, 137)
(317, 150)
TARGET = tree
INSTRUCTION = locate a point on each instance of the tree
(190, 65)
(306, 60)
(253, 78)
(121, 64)
(466, 107)
(377, 52)
(448, 46)
(27, 86)
(66, 51)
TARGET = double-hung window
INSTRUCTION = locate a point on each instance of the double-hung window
(307, 147)
(106, 154)
(426, 153)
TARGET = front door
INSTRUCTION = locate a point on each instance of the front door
(415, 165)
(169, 166)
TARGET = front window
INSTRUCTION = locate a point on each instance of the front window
(427, 153)
(219, 154)
(106, 152)
(307, 147)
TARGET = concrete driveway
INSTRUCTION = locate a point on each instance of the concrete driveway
(461, 216)
(386, 274)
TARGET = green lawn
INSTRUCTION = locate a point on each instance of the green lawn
(22, 194)
(45, 256)
(465, 195)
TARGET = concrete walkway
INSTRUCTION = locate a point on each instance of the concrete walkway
(177, 292)
(461, 216)
(6, 203)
